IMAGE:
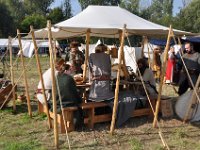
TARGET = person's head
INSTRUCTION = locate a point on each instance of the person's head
(59, 63)
(100, 48)
(142, 63)
(172, 49)
(66, 68)
(157, 49)
(189, 47)
(74, 46)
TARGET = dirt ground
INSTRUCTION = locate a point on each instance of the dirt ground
(20, 132)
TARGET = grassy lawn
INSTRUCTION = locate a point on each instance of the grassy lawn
(20, 132)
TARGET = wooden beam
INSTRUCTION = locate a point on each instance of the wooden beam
(40, 75)
(117, 82)
(162, 76)
(86, 54)
(12, 72)
(25, 77)
(53, 83)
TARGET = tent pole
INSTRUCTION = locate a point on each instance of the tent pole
(162, 77)
(117, 82)
(40, 74)
(53, 83)
(86, 54)
(25, 77)
(11, 72)
(124, 68)
(143, 42)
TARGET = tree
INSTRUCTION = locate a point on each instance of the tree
(85, 3)
(189, 17)
(36, 20)
(56, 15)
(6, 21)
(39, 6)
(67, 9)
(131, 5)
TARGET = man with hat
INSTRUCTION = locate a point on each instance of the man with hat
(75, 57)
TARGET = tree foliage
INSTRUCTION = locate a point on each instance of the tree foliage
(6, 21)
(56, 15)
(85, 3)
(22, 13)
(189, 18)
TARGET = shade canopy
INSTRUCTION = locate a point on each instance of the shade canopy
(105, 21)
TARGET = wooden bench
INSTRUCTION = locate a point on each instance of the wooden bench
(91, 118)
(4, 93)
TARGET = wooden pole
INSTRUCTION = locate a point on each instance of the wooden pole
(25, 77)
(162, 77)
(117, 83)
(143, 42)
(86, 54)
(192, 101)
(11, 72)
(124, 68)
(53, 83)
(40, 74)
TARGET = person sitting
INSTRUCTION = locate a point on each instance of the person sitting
(100, 68)
(48, 81)
(147, 76)
(67, 88)
(75, 57)
(192, 62)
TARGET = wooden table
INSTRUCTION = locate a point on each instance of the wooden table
(84, 86)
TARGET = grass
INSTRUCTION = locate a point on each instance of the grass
(20, 132)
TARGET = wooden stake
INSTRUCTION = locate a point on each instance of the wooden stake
(11, 72)
(53, 83)
(86, 54)
(40, 74)
(192, 101)
(117, 83)
(162, 77)
(25, 77)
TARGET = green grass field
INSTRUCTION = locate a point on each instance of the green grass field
(20, 132)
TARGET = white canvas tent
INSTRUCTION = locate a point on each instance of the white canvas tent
(105, 21)
(27, 45)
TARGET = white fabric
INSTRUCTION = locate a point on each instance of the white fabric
(105, 21)
(182, 106)
(47, 79)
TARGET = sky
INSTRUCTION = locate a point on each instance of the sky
(76, 8)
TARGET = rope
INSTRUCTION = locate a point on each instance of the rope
(61, 106)
(160, 131)
(15, 85)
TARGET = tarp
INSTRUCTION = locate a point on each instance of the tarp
(27, 45)
(105, 21)
(195, 39)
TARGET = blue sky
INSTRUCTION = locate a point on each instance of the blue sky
(76, 6)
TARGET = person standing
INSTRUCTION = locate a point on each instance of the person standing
(192, 61)
(171, 64)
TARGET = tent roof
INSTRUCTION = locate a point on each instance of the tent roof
(105, 21)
